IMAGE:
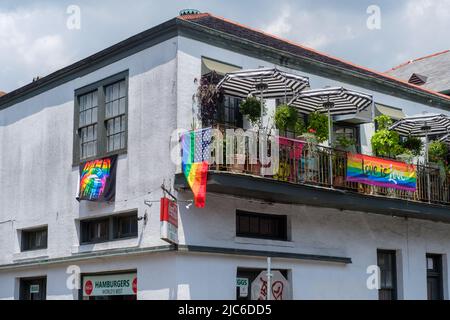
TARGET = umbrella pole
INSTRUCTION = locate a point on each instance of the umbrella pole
(262, 108)
(427, 167)
(329, 143)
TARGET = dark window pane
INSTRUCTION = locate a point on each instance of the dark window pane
(34, 239)
(388, 270)
(263, 226)
(125, 226)
(94, 231)
(434, 277)
(33, 289)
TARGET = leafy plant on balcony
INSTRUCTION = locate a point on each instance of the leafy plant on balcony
(287, 118)
(346, 144)
(318, 123)
(251, 109)
(414, 145)
(437, 151)
(208, 97)
(385, 142)
(407, 156)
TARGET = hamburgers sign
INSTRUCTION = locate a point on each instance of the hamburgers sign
(110, 285)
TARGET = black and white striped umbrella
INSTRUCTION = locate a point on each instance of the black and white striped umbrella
(423, 125)
(276, 83)
(333, 101)
(343, 101)
(446, 139)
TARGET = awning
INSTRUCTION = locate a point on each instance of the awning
(393, 113)
(209, 65)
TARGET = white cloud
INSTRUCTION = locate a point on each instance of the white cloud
(27, 48)
(281, 26)
(34, 39)
(315, 28)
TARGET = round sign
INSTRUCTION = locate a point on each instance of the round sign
(135, 285)
(88, 287)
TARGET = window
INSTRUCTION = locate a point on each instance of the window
(34, 239)
(94, 231)
(388, 275)
(88, 124)
(434, 277)
(110, 228)
(264, 226)
(115, 99)
(101, 118)
(229, 113)
(33, 289)
(125, 226)
(348, 132)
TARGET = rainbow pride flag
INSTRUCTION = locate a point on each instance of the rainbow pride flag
(381, 172)
(195, 156)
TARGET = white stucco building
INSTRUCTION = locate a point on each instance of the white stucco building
(328, 239)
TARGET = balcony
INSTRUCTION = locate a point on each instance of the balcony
(304, 177)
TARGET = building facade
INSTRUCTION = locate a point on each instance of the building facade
(127, 101)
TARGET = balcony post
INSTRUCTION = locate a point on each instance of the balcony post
(330, 105)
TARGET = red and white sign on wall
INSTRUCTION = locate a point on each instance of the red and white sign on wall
(169, 221)
(110, 285)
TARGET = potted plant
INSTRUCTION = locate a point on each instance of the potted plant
(345, 144)
(437, 151)
(318, 123)
(252, 109)
(386, 142)
(208, 97)
(407, 156)
(412, 144)
(287, 118)
(437, 154)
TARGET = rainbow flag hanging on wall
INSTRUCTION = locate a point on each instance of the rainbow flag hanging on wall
(195, 155)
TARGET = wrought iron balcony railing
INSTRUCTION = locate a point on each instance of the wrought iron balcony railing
(310, 165)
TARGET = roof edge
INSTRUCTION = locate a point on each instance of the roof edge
(191, 18)
(415, 60)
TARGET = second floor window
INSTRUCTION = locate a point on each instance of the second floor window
(262, 226)
(116, 227)
(229, 114)
(115, 118)
(101, 118)
(34, 239)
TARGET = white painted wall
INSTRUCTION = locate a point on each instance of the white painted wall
(39, 183)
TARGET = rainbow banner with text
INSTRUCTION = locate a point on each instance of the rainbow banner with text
(381, 172)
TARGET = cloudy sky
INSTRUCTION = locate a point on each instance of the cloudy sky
(35, 40)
